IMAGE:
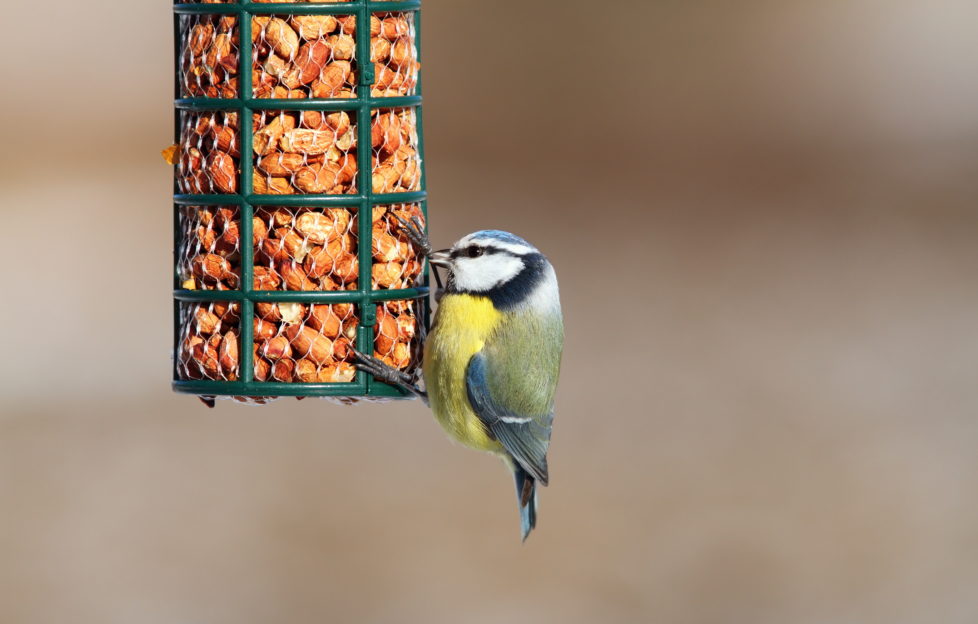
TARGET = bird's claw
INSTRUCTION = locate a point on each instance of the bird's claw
(388, 374)
(414, 230)
(380, 370)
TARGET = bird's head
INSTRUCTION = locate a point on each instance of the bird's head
(501, 266)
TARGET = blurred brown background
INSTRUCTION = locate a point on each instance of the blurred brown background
(764, 215)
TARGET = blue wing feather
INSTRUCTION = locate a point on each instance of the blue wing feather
(525, 436)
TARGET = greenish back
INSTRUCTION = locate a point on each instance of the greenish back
(523, 363)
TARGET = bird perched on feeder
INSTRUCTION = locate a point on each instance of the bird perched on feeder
(492, 358)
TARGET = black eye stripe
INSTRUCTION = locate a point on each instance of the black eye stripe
(486, 250)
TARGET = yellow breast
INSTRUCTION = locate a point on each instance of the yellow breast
(462, 324)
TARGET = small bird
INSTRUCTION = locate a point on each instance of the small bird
(492, 358)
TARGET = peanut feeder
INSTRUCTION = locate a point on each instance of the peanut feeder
(299, 139)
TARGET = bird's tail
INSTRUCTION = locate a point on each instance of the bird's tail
(526, 498)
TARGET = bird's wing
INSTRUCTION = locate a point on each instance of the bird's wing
(511, 384)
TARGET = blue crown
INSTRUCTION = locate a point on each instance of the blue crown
(503, 237)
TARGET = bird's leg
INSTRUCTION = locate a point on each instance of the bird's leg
(388, 374)
(415, 233)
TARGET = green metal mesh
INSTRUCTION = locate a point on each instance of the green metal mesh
(276, 317)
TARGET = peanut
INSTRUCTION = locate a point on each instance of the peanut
(228, 354)
(295, 278)
(221, 168)
(317, 178)
(268, 136)
(207, 322)
(306, 371)
(309, 343)
(343, 47)
(282, 38)
(282, 370)
(312, 27)
(323, 319)
(312, 58)
(281, 164)
(385, 331)
(320, 228)
(268, 185)
(263, 369)
(307, 141)
(211, 267)
(276, 348)
(265, 330)
(266, 278)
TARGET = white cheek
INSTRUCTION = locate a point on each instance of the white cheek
(480, 274)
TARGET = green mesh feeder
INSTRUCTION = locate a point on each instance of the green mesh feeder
(298, 143)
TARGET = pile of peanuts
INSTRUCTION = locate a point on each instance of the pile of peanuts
(308, 152)
(313, 152)
(208, 155)
(297, 56)
(296, 152)
(292, 342)
(208, 64)
(309, 249)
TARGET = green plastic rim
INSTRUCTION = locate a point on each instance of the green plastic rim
(365, 297)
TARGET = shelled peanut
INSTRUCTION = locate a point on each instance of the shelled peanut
(303, 56)
(307, 249)
(312, 152)
(209, 56)
(393, 51)
(312, 249)
(209, 152)
(296, 248)
(297, 56)
(396, 263)
(315, 56)
(394, 143)
(293, 342)
(309, 152)
(397, 341)
(208, 346)
(304, 343)
(209, 251)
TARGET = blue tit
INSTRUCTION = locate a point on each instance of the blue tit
(492, 358)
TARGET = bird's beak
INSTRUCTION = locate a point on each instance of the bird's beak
(441, 258)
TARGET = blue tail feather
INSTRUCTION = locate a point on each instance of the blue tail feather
(526, 498)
